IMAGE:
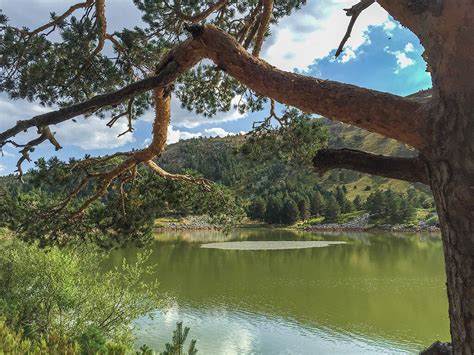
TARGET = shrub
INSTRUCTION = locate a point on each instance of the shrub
(65, 291)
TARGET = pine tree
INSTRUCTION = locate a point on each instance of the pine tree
(257, 209)
(332, 211)
(273, 210)
(317, 203)
(290, 212)
(304, 208)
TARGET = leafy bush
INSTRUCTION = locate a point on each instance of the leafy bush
(51, 291)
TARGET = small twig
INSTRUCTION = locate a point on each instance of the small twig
(45, 134)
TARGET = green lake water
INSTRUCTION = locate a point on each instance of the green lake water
(377, 293)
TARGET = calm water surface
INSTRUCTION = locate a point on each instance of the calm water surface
(375, 294)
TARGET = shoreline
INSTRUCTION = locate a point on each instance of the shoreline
(314, 228)
(394, 229)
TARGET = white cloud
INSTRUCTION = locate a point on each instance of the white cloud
(2, 168)
(92, 133)
(316, 30)
(15, 110)
(89, 133)
(181, 117)
(389, 26)
(216, 132)
(347, 55)
(175, 135)
(409, 47)
(403, 61)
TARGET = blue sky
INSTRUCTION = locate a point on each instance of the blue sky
(380, 55)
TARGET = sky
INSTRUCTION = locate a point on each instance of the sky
(380, 55)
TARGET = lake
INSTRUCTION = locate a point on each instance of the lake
(373, 294)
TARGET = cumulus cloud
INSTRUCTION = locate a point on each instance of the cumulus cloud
(92, 133)
(89, 133)
(3, 168)
(216, 132)
(409, 47)
(15, 110)
(183, 118)
(403, 61)
(175, 135)
(316, 30)
(347, 55)
(389, 26)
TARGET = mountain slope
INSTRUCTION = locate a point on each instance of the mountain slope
(219, 159)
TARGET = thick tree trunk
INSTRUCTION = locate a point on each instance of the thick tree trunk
(457, 225)
(451, 174)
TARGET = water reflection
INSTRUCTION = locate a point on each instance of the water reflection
(375, 292)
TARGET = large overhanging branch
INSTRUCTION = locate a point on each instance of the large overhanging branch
(390, 115)
(408, 169)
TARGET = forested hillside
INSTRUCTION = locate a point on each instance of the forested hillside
(271, 185)
(224, 160)
(278, 191)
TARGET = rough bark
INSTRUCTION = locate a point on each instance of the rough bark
(451, 170)
(408, 169)
(445, 30)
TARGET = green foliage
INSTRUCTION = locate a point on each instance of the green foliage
(273, 210)
(358, 203)
(304, 208)
(80, 72)
(73, 296)
(13, 342)
(340, 195)
(317, 203)
(289, 212)
(116, 219)
(257, 209)
(295, 142)
(391, 207)
(332, 210)
(179, 338)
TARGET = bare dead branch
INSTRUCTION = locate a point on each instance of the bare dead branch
(354, 13)
(44, 134)
(408, 169)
